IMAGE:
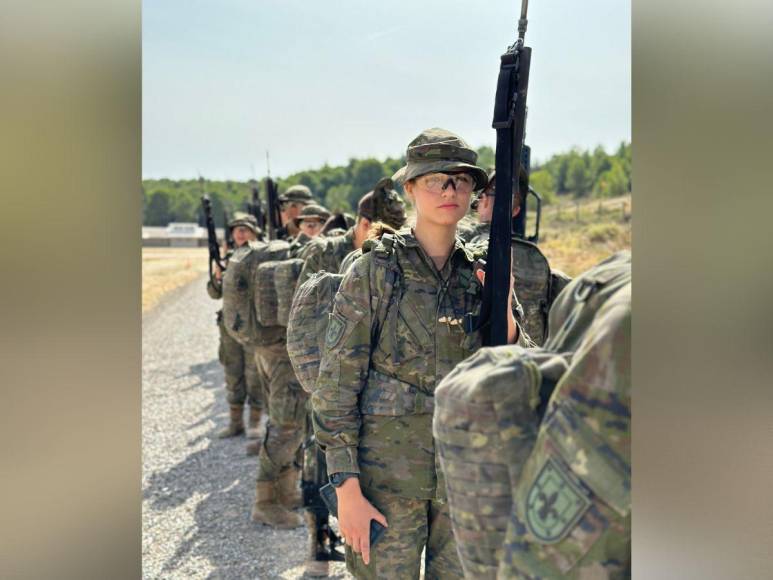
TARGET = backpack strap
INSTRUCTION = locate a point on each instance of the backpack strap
(384, 263)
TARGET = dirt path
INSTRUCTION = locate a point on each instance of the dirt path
(198, 490)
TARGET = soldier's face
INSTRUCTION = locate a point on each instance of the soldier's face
(290, 211)
(243, 235)
(441, 205)
(485, 206)
(311, 227)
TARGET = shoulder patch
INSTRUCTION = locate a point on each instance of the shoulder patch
(554, 504)
(335, 330)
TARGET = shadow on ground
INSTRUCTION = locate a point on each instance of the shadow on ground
(219, 481)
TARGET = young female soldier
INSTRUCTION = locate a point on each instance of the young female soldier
(373, 402)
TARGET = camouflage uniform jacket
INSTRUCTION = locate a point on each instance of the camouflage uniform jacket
(482, 233)
(572, 502)
(325, 254)
(373, 405)
(215, 291)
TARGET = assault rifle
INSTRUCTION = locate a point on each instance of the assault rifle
(274, 221)
(519, 221)
(255, 208)
(229, 237)
(509, 122)
(214, 248)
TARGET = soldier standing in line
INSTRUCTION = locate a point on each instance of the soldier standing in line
(277, 491)
(308, 223)
(243, 382)
(292, 201)
(373, 401)
(384, 205)
(311, 219)
(551, 494)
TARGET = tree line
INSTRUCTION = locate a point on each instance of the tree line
(577, 173)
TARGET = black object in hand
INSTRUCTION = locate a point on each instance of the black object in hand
(328, 493)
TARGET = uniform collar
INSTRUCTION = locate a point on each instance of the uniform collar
(410, 241)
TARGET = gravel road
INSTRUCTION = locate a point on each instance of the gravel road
(197, 489)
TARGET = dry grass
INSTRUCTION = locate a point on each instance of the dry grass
(575, 237)
(164, 269)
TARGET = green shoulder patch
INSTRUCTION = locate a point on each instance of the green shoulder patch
(554, 504)
(335, 330)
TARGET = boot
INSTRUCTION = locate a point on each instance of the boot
(317, 564)
(290, 489)
(253, 426)
(267, 509)
(253, 447)
(236, 424)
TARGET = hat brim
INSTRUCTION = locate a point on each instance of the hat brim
(413, 170)
(247, 225)
(299, 219)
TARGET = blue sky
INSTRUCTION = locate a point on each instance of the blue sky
(319, 82)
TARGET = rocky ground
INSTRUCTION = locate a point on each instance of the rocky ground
(197, 489)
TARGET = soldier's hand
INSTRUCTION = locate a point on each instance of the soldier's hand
(354, 515)
(512, 327)
(218, 273)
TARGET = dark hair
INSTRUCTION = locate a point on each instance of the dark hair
(334, 222)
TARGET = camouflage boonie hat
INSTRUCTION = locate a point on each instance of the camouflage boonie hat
(439, 150)
(383, 204)
(245, 220)
(297, 193)
(312, 211)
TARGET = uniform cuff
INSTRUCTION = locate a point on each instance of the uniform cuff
(342, 459)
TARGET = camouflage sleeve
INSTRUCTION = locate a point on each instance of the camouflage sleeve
(571, 509)
(344, 370)
(558, 281)
(313, 254)
(215, 291)
(349, 260)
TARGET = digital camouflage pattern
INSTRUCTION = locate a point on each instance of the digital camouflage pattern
(325, 253)
(378, 422)
(296, 193)
(439, 150)
(413, 526)
(244, 219)
(286, 427)
(564, 482)
(242, 380)
(307, 325)
(285, 278)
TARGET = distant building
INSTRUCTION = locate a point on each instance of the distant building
(177, 235)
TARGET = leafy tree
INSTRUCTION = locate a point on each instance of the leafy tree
(544, 184)
(337, 198)
(578, 179)
(486, 157)
(158, 211)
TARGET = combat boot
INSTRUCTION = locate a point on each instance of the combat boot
(236, 423)
(290, 489)
(317, 564)
(253, 447)
(253, 426)
(267, 509)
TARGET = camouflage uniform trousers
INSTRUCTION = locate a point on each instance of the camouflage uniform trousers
(413, 525)
(286, 427)
(245, 384)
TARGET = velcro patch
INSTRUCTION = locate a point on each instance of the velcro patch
(335, 330)
(554, 504)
